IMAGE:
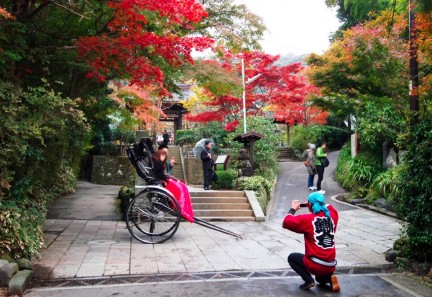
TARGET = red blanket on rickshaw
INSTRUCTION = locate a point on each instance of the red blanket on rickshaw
(181, 193)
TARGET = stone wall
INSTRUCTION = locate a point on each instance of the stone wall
(194, 171)
(108, 170)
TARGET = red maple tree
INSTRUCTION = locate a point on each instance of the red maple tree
(281, 89)
(141, 36)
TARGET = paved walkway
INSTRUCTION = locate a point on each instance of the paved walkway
(352, 286)
(79, 243)
(292, 184)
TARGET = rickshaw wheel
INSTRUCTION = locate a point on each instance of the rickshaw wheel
(153, 216)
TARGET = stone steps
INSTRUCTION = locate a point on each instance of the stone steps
(177, 171)
(231, 206)
(220, 194)
(285, 153)
(228, 219)
(215, 206)
(205, 213)
(219, 200)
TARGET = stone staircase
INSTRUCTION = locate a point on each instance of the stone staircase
(177, 171)
(231, 206)
(285, 153)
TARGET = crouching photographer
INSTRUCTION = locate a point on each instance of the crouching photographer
(319, 228)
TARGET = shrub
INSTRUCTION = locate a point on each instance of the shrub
(186, 137)
(334, 137)
(265, 159)
(260, 185)
(22, 214)
(126, 194)
(226, 179)
(414, 202)
(388, 184)
(357, 172)
(43, 137)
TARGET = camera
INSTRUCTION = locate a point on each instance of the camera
(303, 205)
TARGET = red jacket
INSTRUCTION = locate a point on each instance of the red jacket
(319, 234)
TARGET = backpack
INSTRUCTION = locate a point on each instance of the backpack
(325, 162)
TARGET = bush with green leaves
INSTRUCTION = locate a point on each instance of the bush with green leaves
(260, 185)
(265, 158)
(43, 137)
(334, 137)
(225, 179)
(414, 200)
(357, 172)
(186, 137)
(389, 183)
(377, 124)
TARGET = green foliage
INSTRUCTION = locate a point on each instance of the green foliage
(265, 161)
(377, 124)
(22, 213)
(214, 130)
(226, 179)
(353, 12)
(388, 184)
(126, 194)
(334, 137)
(357, 172)
(414, 202)
(43, 137)
(186, 137)
(260, 185)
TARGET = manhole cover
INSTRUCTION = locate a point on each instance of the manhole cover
(101, 242)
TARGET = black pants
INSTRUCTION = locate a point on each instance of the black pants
(295, 260)
(208, 177)
(320, 171)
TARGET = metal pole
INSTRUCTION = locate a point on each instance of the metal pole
(244, 96)
(413, 64)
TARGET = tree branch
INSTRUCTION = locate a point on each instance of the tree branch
(39, 8)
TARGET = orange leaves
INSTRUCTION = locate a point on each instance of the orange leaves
(140, 101)
(5, 15)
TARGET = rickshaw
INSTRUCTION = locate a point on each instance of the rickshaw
(154, 214)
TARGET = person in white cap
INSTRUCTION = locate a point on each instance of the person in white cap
(310, 164)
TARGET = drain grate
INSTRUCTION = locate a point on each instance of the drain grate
(199, 276)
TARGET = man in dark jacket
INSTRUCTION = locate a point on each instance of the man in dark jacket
(207, 164)
(165, 137)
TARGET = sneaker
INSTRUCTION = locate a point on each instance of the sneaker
(307, 286)
(335, 287)
(315, 188)
(311, 189)
(322, 192)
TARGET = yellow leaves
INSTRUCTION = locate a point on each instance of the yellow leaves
(196, 101)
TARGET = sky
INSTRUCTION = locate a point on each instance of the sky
(294, 27)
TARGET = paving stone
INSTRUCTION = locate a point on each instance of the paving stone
(6, 273)
(19, 282)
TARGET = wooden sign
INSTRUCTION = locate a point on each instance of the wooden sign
(222, 159)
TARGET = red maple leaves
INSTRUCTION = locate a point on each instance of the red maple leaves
(282, 90)
(142, 36)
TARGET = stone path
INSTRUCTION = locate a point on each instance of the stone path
(84, 237)
(89, 202)
(79, 248)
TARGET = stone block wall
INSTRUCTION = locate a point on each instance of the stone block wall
(194, 171)
(109, 170)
